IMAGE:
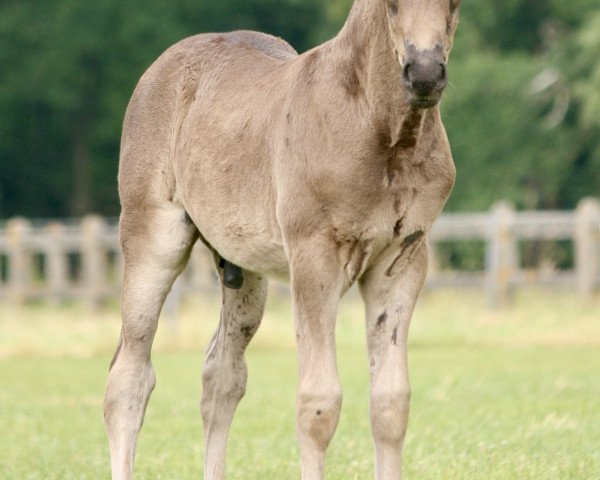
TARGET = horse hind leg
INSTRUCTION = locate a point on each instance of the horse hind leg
(225, 372)
(156, 246)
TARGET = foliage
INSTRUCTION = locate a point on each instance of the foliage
(519, 115)
(580, 56)
(69, 68)
(521, 112)
(501, 147)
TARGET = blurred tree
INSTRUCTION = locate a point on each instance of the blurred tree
(521, 110)
(68, 69)
(501, 145)
(578, 58)
(516, 108)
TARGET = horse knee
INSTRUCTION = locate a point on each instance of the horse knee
(389, 414)
(135, 342)
(318, 414)
(223, 382)
(128, 390)
(225, 373)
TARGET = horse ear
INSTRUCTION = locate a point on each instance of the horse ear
(454, 4)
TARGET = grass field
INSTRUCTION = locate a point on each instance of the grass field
(507, 394)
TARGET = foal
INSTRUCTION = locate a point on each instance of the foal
(326, 168)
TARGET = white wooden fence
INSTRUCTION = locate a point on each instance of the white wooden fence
(62, 260)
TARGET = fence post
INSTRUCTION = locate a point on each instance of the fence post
(93, 259)
(587, 246)
(172, 303)
(502, 259)
(202, 277)
(56, 261)
(19, 259)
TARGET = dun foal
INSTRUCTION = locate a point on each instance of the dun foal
(326, 168)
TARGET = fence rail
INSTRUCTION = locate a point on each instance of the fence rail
(61, 260)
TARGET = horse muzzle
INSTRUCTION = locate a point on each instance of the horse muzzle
(424, 75)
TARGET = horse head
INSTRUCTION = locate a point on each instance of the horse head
(422, 32)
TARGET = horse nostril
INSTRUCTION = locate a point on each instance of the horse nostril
(406, 72)
(443, 73)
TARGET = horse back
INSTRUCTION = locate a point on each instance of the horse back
(269, 45)
(202, 72)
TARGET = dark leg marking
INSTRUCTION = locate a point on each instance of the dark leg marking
(398, 227)
(412, 238)
(406, 243)
(381, 319)
(248, 331)
(395, 336)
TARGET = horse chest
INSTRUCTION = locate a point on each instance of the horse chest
(410, 199)
(406, 200)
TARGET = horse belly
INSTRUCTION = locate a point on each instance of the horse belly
(251, 246)
(234, 210)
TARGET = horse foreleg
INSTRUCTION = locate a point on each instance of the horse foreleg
(390, 301)
(225, 373)
(316, 287)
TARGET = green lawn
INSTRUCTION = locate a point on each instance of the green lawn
(507, 394)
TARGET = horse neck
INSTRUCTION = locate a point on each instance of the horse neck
(364, 53)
